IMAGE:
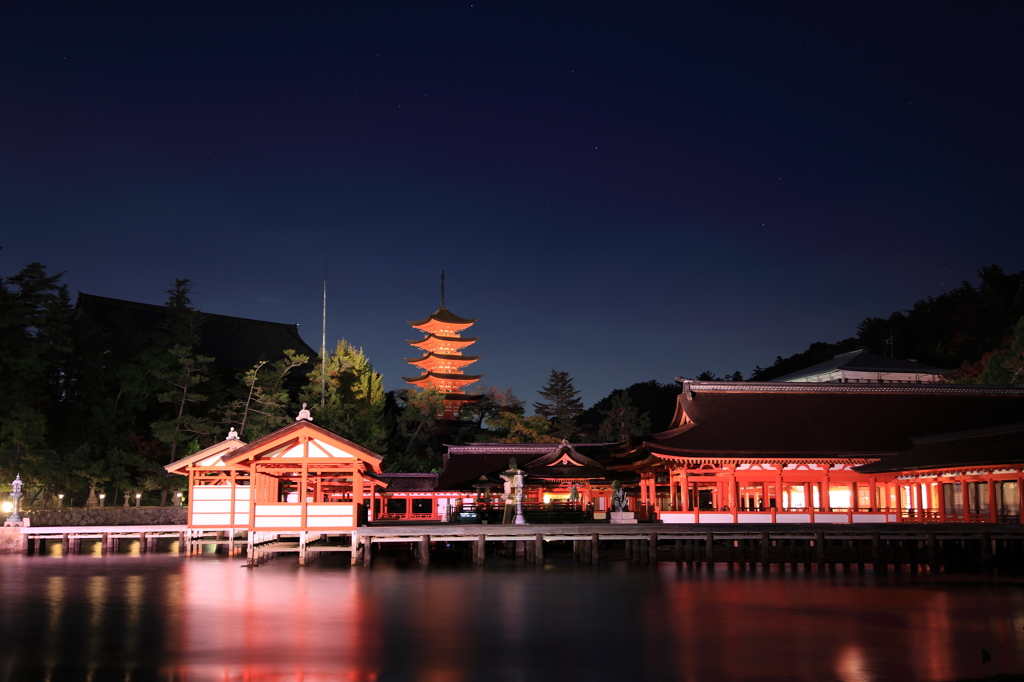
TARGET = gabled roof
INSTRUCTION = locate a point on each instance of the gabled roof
(979, 447)
(465, 464)
(290, 434)
(861, 361)
(442, 314)
(234, 342)
(215, 454)
(444, 356)
(812, 420)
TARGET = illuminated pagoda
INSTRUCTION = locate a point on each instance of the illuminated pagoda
(442, 362)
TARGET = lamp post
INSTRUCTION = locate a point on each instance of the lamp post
(102, 496)
(16, 494)
(60, 501)
(177, 499)
(138, 499)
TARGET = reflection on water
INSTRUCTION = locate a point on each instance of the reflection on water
(207, 618)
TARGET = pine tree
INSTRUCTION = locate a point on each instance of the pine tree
(561, 405)
(622, 420)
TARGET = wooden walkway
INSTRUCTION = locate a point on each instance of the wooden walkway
(881, 545)
(877, 544)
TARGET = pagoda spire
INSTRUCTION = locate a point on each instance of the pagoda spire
(442, 361)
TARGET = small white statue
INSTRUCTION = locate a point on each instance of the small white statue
(232, 434)
(304, 414)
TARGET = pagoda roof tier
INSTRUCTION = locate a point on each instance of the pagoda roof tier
(440, 377)
(434, 359)
(443, 320)
(433, 342)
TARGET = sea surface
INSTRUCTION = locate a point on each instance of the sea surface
(162, 617)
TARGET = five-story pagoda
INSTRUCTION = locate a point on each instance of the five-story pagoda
(443, 361)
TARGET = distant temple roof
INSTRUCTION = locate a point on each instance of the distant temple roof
(235, 343)
(814, 420)
(861, 361)
(442, 314)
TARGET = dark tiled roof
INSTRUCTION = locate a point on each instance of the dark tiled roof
(464, 464)
(409, 483)
(821, 419)
(860, 361)
(235, 343)
(442, 314)
(982, 447)
(445, 356)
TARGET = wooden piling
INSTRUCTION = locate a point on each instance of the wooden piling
(709, 549)
(595, 548)
(652, 548)
(424, 552)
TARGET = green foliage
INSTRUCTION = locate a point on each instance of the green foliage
(1004, 366)
(653, 398)
(354, 402)
(182, 380)
(623, 421)
(515, 427)
(954, 329)
(263, 402)
(490, 405)
(561, 404)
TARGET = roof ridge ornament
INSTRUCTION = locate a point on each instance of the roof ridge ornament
(304, 415)
(442, 287)
(232, 434)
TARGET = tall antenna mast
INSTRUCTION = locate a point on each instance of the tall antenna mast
(323, 346)
(442, 288)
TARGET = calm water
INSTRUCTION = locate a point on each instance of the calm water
(162, 617)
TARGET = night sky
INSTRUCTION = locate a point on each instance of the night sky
(621, 191)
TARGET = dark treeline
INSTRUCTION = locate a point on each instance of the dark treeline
(960, 329)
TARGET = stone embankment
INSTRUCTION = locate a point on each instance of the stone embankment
(111, 516)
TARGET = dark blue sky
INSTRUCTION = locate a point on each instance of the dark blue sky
(621, 192)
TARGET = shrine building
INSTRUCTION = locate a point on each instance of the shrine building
(743, 452)
(300, 478)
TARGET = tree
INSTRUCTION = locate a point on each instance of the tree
(622, 420)
(35, 321)
(183, 379)
(264, 402)
(561, 405)
(515, 427)
(491, 403)
(1002, 366)
(354, 402)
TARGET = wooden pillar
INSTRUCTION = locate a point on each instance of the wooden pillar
(595, 548)
(1020, 500)
(819, 547)
(424, 550)
(538, 549)
(679, 550)
(734, 494)
(766, 548)
(940, 500)
(825, 498)
(302, 540)
(367, 550)
(710, 549)
(652, 546)
(992, 511)
(965, 495)
(876, 551)
(629, 550)
(684, 489)
(104, 540)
